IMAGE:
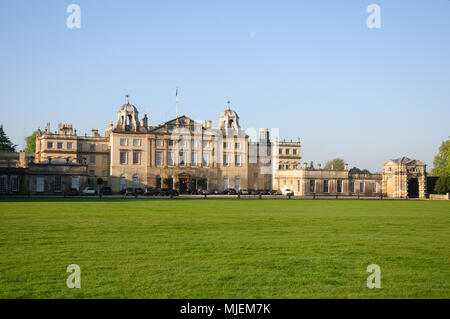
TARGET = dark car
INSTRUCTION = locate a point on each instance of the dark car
(130, 192)
(139, 191)
(164, 192)
(168, 192)
(150, 191)
(123, 191)
(106, 191)
(72, 192)
(231, 191)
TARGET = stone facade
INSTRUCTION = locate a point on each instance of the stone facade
(404, 178)
(47, 177)
(187, 155)
(309, 180)
(180, 153)
(66, 145)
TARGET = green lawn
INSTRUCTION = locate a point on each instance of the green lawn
(224, 248)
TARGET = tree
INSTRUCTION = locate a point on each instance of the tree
(335, 164)
(354, 170)
(168, 183)
(99, 181)
(441, 162)
(442, 185)
(5, 143)
(31, 143)
(441, 168)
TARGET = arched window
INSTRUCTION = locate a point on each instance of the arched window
(237, 183)
(135, 181)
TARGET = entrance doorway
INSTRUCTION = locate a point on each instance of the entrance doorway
(183, 184)
(413, 188)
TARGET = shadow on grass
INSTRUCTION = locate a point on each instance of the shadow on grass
(117, 198)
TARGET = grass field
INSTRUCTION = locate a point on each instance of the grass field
(224, 248)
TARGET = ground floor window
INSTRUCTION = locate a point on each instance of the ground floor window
(312, 186)
(361, 187)
(3, 184)
(298, 186)
(237, 183)
(14, 183)
(325, 186)
(225, 183)
(57, 186)
(135, 181)
(75, 182)
(352, 187)
(39, 184)
(122, 183)
(339, 186)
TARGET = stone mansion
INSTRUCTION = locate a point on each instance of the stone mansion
(186, 155)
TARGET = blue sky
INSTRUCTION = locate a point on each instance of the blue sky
(312, 69)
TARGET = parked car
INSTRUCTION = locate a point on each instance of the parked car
(164, 192)
(263, 192)
(89, 191)
(123, 191)
(150, 191)
(244, 192)
(130, 192)
(168, 192)
(106, 190)
(231, 191)
(139, 191)
(287, 192)
(72, 192)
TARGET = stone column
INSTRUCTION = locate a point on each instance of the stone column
(153, 152)
(166, 153)
(422, 186)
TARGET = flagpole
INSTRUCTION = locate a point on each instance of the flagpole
(176, 103)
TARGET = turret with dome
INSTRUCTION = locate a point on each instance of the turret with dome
(229, 119)
(128, 118)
